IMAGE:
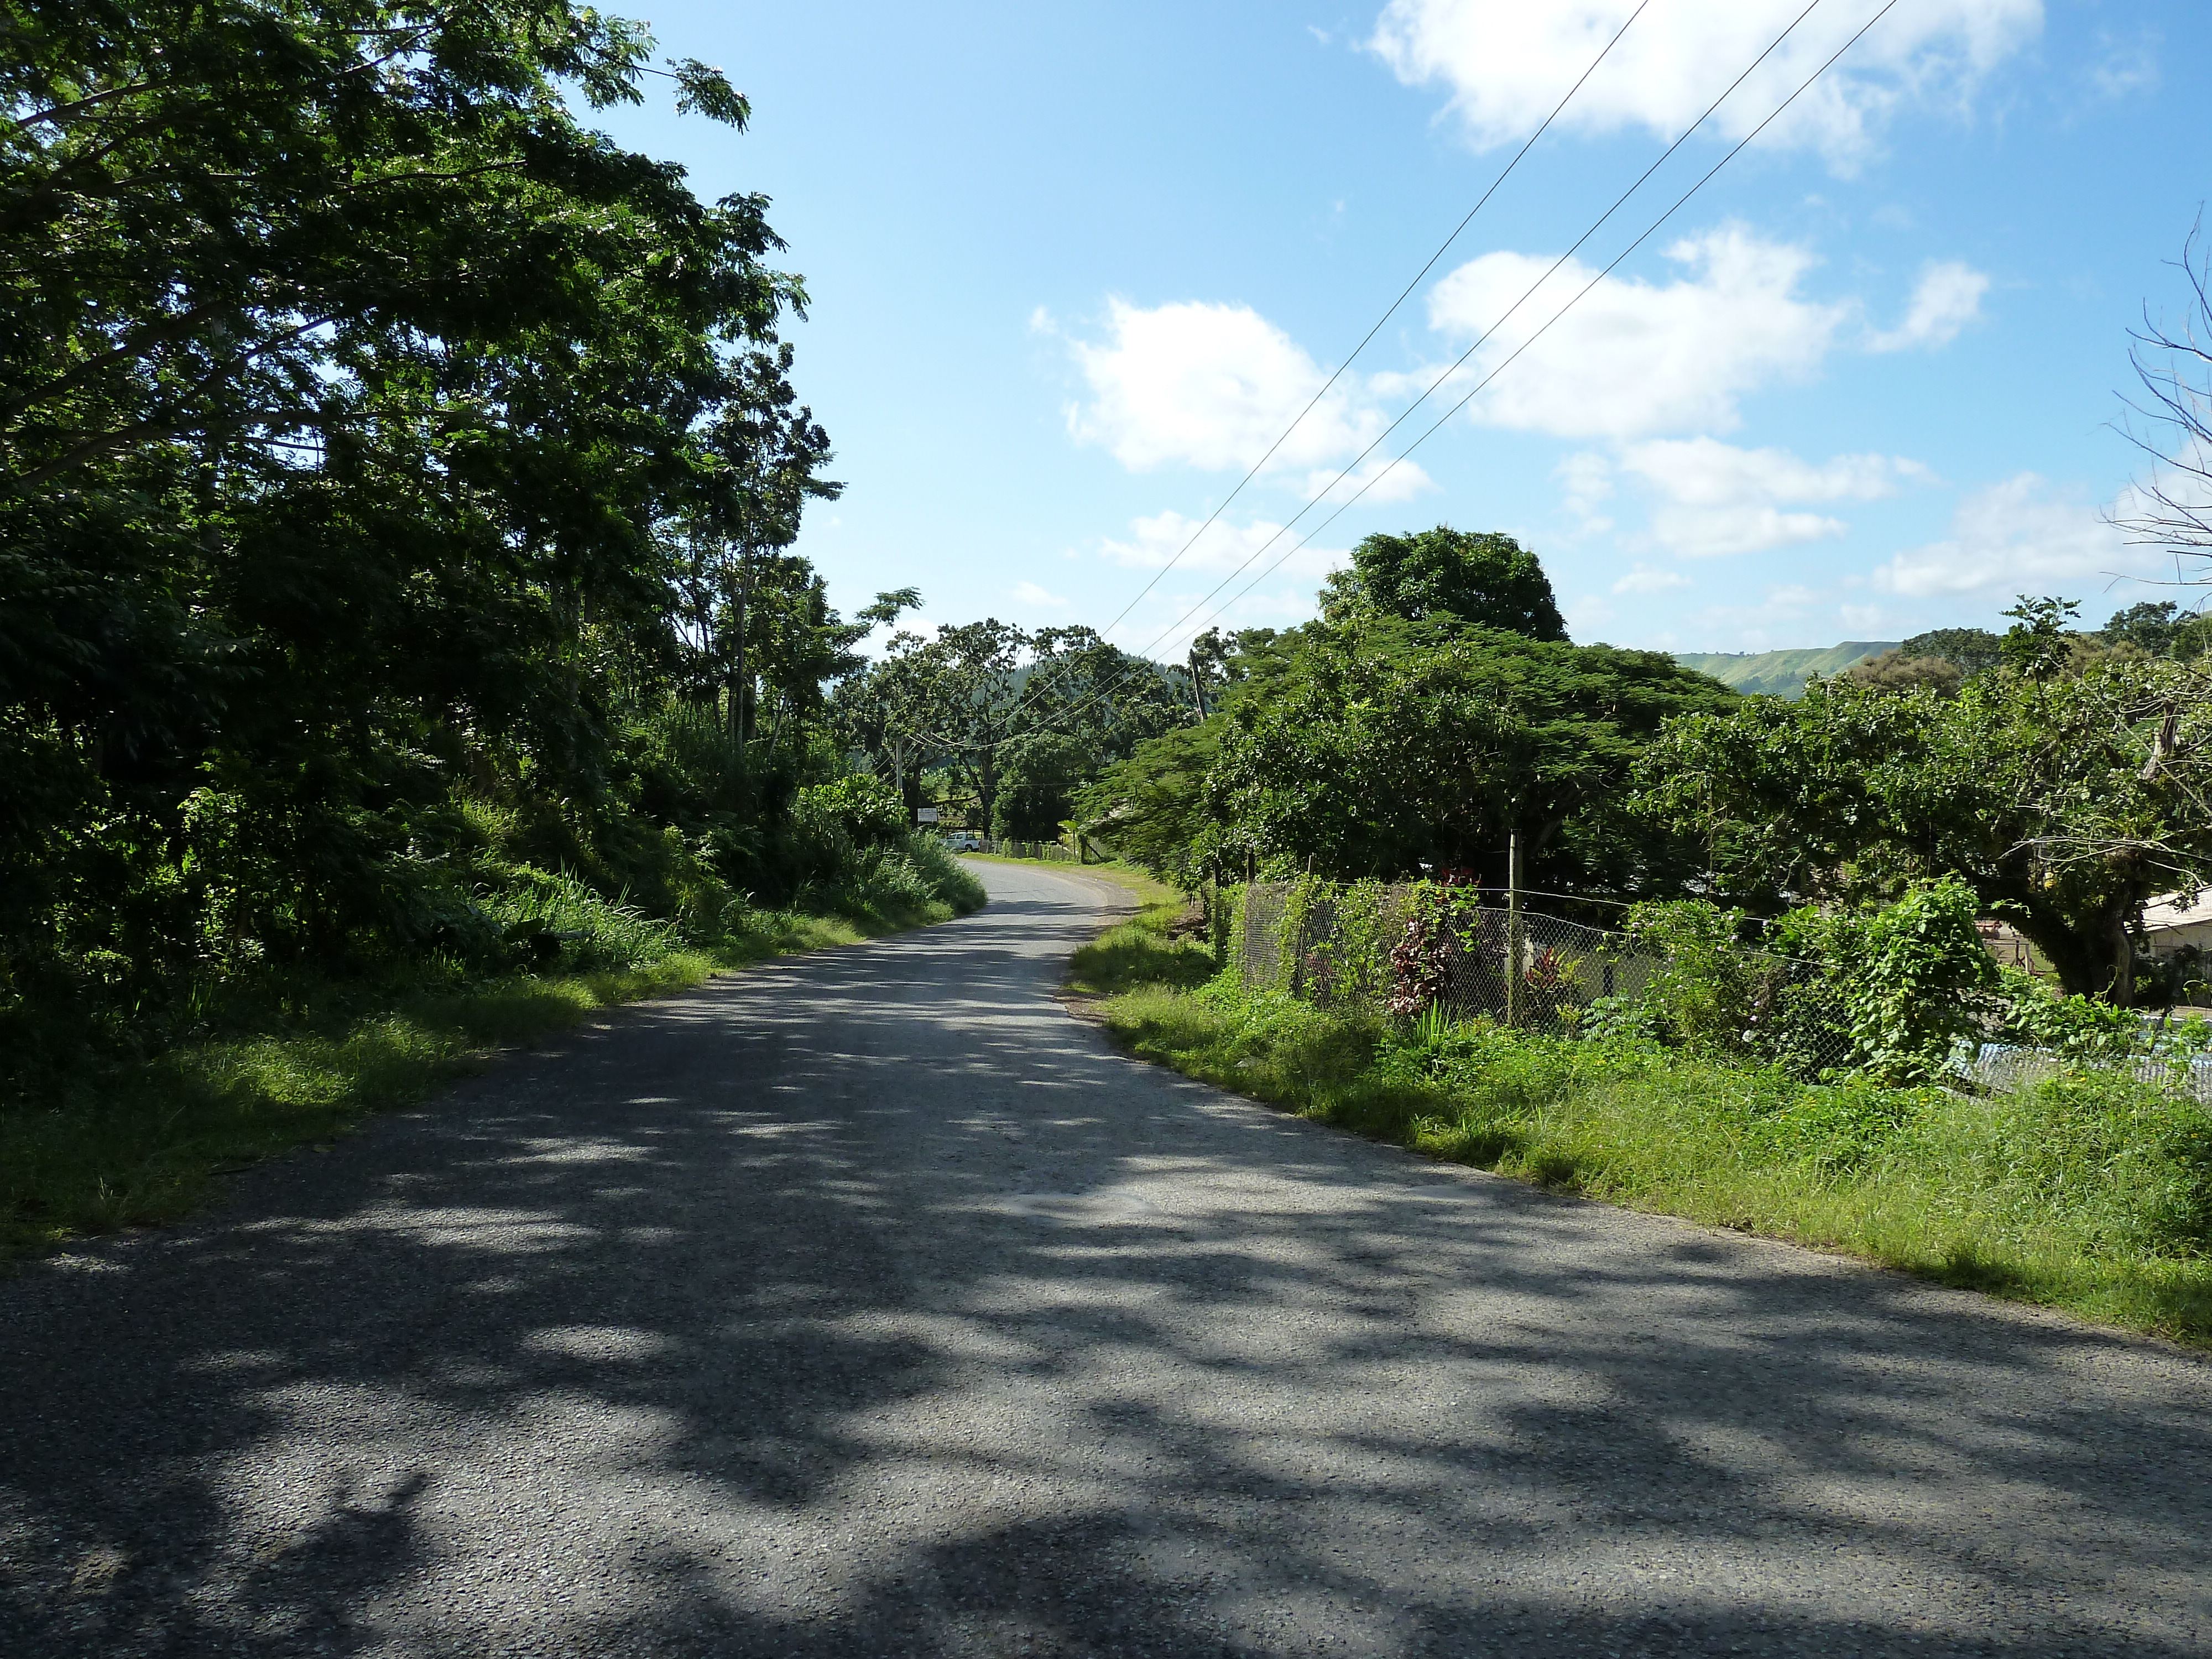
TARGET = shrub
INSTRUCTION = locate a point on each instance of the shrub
(1705, 993)
(1910, 980)
(561, 918)
(865, 809)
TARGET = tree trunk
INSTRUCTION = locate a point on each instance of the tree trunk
(740, 686)
(2092, 958)
(987, 788)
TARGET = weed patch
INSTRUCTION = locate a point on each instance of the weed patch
(2091, 1192)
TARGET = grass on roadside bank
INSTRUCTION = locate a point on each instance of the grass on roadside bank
(1163, 944)
(2091, 1193)
(132, 1142)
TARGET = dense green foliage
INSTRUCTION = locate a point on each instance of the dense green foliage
(1016, 722)
(1900, 994)
(398, 478)
(1379, 753)
(1376, 747)
(1446, 574)
(1886, 992)
(1969, 650)
(2062, 791)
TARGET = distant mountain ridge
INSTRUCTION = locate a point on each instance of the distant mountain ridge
(1781, 673)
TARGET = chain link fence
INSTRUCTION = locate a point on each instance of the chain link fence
(2003, 1066)
(1564, 966)
(1051, 852)
(1367, 947)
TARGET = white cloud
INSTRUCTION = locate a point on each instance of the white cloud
(1861, 618)
(2016, 537)
(1383, 481)
(1717, 499)
(1223, 548)
(1706, 472)
(1948, 297)
(1777, 621)
(1589, 480)
(1645, 579)
(1588, 477)
(1209, 386)
(1505, 63)
(2128, 70)
(1031, 593)
(1717, 532)
(1638, 358)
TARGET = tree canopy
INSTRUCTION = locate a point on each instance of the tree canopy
(1023, 721)
(1384, 749)
(1440, 575)
(384, 454)
(2065, 791)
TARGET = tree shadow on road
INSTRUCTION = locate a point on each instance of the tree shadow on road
(867, 1304)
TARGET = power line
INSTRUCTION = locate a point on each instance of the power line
(1488, 333)
(1556, 315)
(1338, 373)
(1644, 236)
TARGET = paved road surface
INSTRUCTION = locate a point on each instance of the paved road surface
(867, 1304)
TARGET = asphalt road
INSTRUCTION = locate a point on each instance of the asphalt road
(866, 1303)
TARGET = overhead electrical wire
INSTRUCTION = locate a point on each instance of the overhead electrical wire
(1203, 603)
(1576, 298)
(1338, 373)
(1367, 338)
(1489, 333)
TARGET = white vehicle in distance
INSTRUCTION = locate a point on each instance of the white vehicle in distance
(963, 841)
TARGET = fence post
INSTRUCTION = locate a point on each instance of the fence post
(1513, 930)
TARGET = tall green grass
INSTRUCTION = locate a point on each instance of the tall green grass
(2091, 1192)
(1153, 947)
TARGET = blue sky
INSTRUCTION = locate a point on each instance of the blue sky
(1074, 269)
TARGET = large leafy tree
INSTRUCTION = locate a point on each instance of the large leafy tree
(351, 394)
(1152, 807)
(1444, 574)
(951, 701)
(1086, 706)
(1021, 720)
(224, 218)
(1381, 751)
(2065, 789)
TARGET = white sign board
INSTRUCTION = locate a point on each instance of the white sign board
(924, 815)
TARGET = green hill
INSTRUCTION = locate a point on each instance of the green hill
(1781, 673)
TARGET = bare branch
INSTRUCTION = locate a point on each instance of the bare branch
(2174, 504)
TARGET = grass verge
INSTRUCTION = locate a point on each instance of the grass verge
(134, 1143)
(2091, 1193)
(1163, 944)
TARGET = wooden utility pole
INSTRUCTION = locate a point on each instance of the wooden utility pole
(1513, 930)
(1197, 683)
